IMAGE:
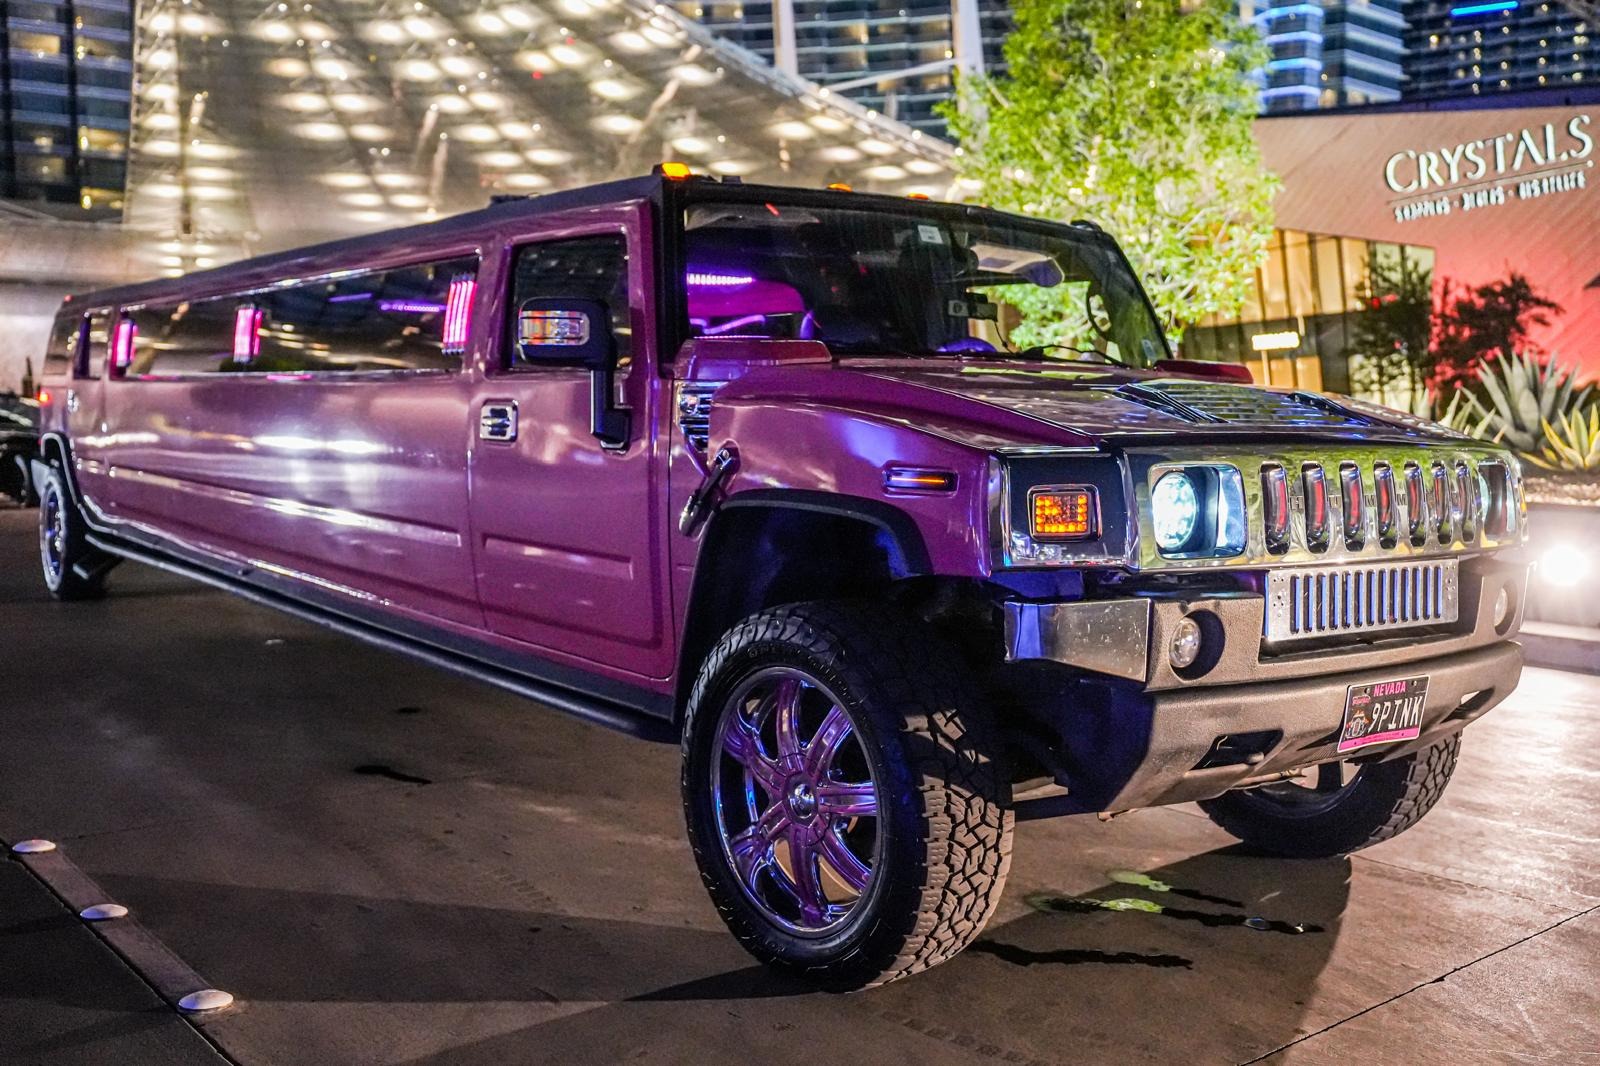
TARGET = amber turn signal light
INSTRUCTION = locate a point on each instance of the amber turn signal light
(1067, 513)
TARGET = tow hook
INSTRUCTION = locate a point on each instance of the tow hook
(699, 502)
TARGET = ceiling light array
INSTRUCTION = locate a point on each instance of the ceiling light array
(397, 103)
(182, 182)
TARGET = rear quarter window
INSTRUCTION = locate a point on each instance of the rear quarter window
(188, 338)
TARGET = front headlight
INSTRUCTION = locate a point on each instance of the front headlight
(1198, 511)
(1174, 511)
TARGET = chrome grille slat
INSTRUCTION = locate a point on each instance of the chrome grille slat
(1441, 504)
(1335, 600)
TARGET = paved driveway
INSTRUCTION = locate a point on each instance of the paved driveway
(387, 864)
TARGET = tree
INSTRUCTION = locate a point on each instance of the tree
(1478, 322)
(1391, 339)
(1135, 114)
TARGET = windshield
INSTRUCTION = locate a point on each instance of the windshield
(869, 280)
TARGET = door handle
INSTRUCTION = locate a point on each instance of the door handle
(497, 421)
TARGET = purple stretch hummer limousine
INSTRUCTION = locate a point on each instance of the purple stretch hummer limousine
(768, 471)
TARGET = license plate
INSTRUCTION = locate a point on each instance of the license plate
(1383, 712)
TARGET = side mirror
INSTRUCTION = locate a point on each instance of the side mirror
(570, 332)
(564, 332)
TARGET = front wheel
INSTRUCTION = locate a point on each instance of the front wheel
(73, 569)
(1345, 808)
(842, 797)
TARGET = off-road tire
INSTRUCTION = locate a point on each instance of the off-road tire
(1383, 800)
(82, 571)
(943, 798)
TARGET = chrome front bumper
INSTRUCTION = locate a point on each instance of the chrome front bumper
(1125, 638)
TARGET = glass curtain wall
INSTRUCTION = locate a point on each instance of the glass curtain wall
(1295, 328)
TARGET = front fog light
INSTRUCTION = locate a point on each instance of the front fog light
(1184, 648)
(1502, 608)
(1174, 510)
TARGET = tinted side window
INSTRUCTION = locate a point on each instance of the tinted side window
(384, 320)
(63, 346)
(191, 338)
(586, 268)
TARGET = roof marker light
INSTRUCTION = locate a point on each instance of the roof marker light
(839, 186)
(246, 333)
(674, 171)
(458, 313)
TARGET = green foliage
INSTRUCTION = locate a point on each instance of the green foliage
(1479, 322)
(1521, 396)
(1574, 446)
(1390, 338)
(1460, 413)
(1135, 114)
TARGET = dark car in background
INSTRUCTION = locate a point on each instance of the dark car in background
(19, 443)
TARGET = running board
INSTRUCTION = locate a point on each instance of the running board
(600, 711)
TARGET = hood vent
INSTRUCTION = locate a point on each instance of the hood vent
(1204, 403)
(694, 411)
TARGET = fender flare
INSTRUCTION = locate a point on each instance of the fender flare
(902, 532)
(884, 516)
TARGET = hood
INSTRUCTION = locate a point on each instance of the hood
(998, 403)
(1117, 405)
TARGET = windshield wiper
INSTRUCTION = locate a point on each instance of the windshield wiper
(1040, 351)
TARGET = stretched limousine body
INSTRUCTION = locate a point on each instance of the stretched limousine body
(766, 471)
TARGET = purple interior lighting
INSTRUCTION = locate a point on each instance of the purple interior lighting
(350, 297)
(701, 279)
(413, 307)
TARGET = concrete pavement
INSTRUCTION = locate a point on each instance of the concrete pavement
(387, 864)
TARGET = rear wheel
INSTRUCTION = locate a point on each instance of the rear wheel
(841, 794)
(1342, 808)
(73, 569)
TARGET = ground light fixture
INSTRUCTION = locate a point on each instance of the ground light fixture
(1564, 565)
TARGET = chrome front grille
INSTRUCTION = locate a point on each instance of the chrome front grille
(1440, 504)
(1305, 604)
(1311, 504)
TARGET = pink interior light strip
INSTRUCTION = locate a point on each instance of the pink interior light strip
(458, 313)
(122, 344)
(246, 334)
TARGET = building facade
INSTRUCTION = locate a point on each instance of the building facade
(893, 56)
(1330, 54)
(262, 126)
(1466, 195)
(66, 71)
(1473, 47)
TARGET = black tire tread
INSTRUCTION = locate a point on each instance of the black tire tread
(966, 850)
(1397, 795)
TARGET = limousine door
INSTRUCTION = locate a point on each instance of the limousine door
(566, 527)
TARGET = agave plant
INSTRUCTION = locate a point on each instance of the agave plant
(1572, 444)
(1524, 395)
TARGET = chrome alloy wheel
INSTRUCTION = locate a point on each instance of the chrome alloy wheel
(52, 536)
(795, 800)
